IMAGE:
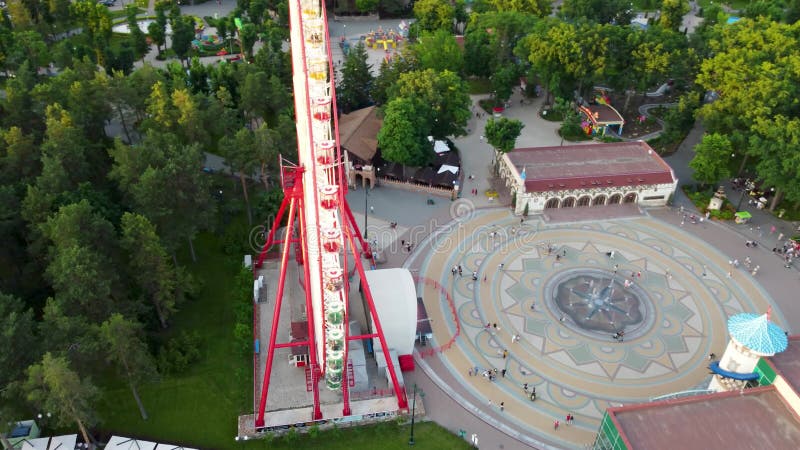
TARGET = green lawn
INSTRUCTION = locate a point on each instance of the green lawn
(479, 86)
(386, 436)
(200, 408)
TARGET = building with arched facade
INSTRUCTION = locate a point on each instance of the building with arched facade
(577, 176)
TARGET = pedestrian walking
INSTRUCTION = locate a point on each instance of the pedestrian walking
(525, 387)
(470, 371)
(500, 266)
(503, 373)
(555, 425)
(502, 406)
(490, 403)
(505, 354)
(484, 277)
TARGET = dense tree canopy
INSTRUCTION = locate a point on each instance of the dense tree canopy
(434, 15)
(600, 11)
(755, 71)
(353, 91)
(712, 158)
(502, 133)
(402, 138)
(491, 37)
(439, 51)
(440, 98)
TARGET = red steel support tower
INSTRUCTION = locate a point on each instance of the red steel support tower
(314, 193)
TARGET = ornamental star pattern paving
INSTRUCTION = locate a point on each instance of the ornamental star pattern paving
(683, 295)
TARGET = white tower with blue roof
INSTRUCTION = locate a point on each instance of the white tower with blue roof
(753, 336)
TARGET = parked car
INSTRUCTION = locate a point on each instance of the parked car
(107, 2)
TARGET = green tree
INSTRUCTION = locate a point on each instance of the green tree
(491, 37)
(120, 98)
(188, 117)
(434, 15)
(126, 350)
(599, 11)
(566, 56)
(19, 156)
(182, 36)
(54, 386)
(17, 339)
(440, 97)
(672, 12)
(712, 159)
(80, 256)
(164, 181)
(137, 37)
(502, 133)
(403, 137)
(754, 68)
(353, 91)
(267, 152)
(30, 46)
(389, 74)
(367, 5)
(503, 82)
(96, 22)
(149, 266)
(256, 10)
(158, 33)
(65, 158)
(240, 157)
(439, 51)
(776, 140)
(248, 36)
(540, 8)
(255, 99)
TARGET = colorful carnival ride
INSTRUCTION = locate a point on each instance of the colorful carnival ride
(320, 225)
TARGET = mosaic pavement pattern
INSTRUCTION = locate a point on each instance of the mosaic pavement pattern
(561, 290)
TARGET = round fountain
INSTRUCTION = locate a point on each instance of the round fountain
(599, 302)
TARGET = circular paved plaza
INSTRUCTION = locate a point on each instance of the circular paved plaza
(566, 290)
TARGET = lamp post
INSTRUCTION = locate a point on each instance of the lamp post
(413, 410)
(366, 209)
(748, 186)
(41, 417)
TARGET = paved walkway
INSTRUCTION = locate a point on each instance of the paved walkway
(686, 297)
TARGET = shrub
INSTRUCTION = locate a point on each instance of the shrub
(291, 436)
(179, 352)
(610, 139)
(571, 128)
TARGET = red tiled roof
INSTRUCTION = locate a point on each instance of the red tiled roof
(594, 165)
(759, 418)
(787, 363)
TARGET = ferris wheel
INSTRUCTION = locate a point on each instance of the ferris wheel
(320, 223)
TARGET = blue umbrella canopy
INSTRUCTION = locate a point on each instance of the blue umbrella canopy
(757, 333)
